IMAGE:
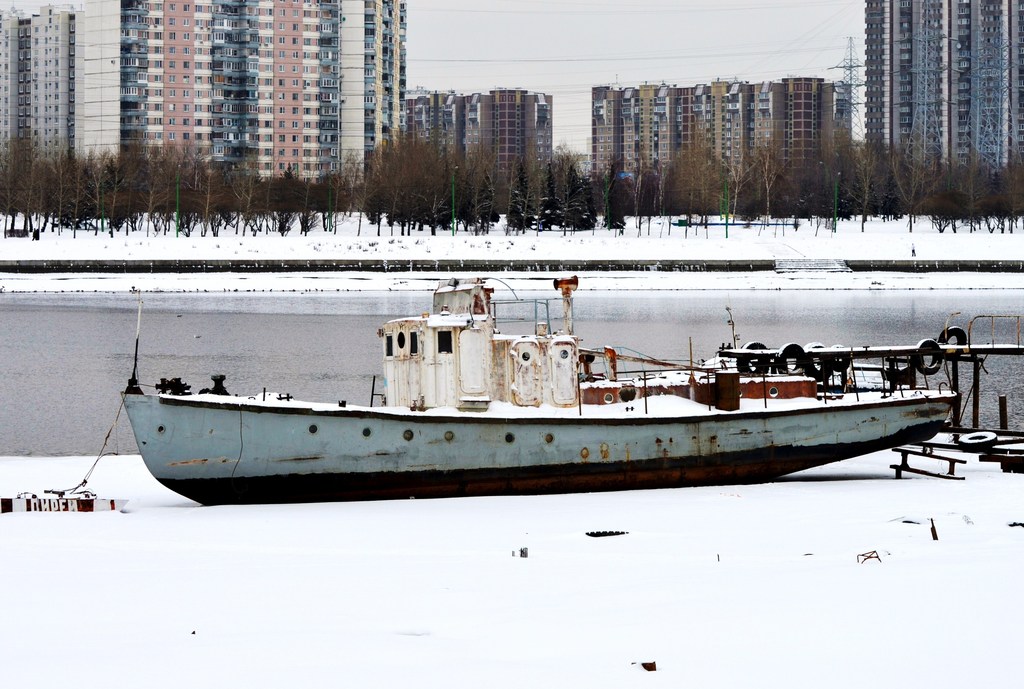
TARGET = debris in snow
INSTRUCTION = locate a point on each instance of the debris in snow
(650, 666)
(870, 555)
(601, 534)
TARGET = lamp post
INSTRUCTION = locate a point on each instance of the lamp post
(607, 203)
(726, 205)
(835, 202)
(177, 203)
(453, 200)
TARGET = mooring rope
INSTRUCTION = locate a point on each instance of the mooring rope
(100, 456)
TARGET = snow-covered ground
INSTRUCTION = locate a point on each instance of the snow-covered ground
(662, 241)
(737, 586)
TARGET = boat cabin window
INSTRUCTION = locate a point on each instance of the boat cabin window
(414, 344)
(444, 342)
(401, 341)
(389, 347)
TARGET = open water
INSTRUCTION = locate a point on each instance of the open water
(65, 358)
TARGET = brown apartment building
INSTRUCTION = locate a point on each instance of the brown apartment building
(649, 124)
(514, 123)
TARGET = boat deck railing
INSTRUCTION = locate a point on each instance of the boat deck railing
(533, 311)
(993, 320)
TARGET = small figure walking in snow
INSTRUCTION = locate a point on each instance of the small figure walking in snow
(913, 251)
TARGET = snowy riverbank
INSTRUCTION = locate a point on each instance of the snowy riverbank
(661, 242)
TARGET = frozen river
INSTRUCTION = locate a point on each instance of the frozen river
(65, 358)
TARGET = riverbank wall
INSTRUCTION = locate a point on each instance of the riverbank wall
(492, 265)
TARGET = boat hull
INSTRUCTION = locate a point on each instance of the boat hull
(217, 451)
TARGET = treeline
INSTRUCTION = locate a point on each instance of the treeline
(416, 186)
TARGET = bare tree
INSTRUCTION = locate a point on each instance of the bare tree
(913, 174)
(479, 165)
(1013, 178)
(865, 160)
(245, 184)
(32, 190)
(770, 165)
(738, 168)
(695, 179)
(157, 192)
(972, 179)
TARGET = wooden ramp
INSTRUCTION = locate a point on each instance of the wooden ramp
(999, 446)
(927, 449)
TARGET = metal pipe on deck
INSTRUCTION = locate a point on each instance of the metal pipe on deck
(976, 394)
(567, 286)
(958, 400)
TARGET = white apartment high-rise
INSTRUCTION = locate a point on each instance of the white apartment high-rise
(285, 85)
(943, 77)
(37, 71)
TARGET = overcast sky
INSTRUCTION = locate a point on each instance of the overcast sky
(564, 47)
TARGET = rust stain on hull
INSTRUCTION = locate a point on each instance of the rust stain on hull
(188, 463)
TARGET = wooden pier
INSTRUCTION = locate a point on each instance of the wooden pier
(897, 367)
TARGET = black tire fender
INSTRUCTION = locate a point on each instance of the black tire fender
(979, 440)
(813, 368)
(928, 364)
(790, 358)
(954, 335)
(842, 362)
(755, 364)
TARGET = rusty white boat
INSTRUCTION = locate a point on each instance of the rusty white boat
(472, 410)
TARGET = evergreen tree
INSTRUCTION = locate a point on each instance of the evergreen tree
(551, 210)
(616, 198)
(579, 208)
(484, 204)
(520, 208)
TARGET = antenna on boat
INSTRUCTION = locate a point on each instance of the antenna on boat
(732, 326)
(133, 382)
(507, 286)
